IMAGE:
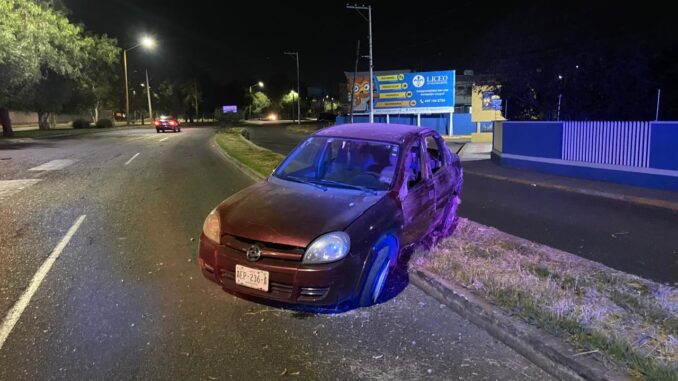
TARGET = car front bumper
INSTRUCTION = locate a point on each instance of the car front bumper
(289, 281)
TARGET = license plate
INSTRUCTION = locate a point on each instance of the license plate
(257, 279)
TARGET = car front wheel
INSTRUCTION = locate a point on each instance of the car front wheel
(375, 283)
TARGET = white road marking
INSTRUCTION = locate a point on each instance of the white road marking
(9, 187)
(133, 157)
(53, 165)
(17, 310)
(163, 139)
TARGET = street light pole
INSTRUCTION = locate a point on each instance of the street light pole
(124, 60)
(296, 55)
(368, 8)
(146, 42)
(148, 93)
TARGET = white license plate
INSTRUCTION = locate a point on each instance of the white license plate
(251, 278)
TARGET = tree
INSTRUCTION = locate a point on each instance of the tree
(99, 75)
(38, 43)
(260, 102)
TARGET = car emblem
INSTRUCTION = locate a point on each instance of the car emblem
(254, 253)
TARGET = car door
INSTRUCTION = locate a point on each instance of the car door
(442, 173)
(417, 195)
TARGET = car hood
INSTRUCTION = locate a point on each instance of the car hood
(288, 213)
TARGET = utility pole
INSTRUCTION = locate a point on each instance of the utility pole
(560, 98)
(355, 73)
(195, 88)
(368, 8)
(296, 55)
(148, 93)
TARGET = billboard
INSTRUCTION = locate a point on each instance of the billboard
(415, 93)
(361, 88)
(229, 108)
(403, 92)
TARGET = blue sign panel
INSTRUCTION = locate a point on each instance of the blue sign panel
(415, 93)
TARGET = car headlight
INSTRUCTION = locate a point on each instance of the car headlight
(212, 226)
(327, 248)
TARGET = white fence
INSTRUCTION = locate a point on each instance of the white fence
(614, 143)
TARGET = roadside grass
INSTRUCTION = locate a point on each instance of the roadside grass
(259, 159)
(306, 129)
(627, 319)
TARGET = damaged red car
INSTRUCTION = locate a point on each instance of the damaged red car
(332, 221)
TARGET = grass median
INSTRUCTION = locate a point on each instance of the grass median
(260, 160)
(625, 318)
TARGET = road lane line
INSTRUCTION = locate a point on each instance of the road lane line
(133, 157)
(17, 310)
(163, 139)
(53, 165)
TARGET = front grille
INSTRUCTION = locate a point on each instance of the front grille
(268, 249)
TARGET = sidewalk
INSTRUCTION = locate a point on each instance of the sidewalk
(643, 196)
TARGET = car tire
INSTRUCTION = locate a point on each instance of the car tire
(157, 131)
(178, 129)
(375, 282)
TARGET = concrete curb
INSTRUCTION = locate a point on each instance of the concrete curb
(242, 167)
(545, 351)
(612, 196)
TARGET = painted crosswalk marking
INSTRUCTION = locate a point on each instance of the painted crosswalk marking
(53, 165)
(10, 187)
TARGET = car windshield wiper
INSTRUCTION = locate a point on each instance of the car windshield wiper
(304, 181)
(349, 186)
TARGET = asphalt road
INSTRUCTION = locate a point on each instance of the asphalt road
(632, 238)
(125, 299)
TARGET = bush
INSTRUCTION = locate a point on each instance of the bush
(227, 119)
(81, 123)
(104, 123)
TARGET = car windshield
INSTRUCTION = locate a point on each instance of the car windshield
(342, 163)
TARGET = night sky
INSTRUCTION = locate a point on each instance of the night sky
(222, 41)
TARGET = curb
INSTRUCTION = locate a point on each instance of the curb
(547, 352)
(612, 196)
(243, 168)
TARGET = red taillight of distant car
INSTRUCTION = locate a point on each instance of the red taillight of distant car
(157, 123)
(172, 123)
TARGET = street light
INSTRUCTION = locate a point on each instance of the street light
(147, 42)
(261, 85)
(296, 55)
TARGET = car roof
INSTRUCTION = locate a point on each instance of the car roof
(392, 133)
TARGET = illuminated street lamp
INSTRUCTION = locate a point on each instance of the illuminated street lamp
(261, 86)
(147, 42)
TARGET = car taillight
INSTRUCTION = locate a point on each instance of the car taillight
(157, 123)
(173, 123)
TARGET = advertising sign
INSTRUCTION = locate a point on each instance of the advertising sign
(361, 88)
(228, 109)
(491, 101)
(415, 93)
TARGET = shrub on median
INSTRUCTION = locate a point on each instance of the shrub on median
(104, 123)
(80, 124)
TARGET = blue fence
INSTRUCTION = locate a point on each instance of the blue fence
(635, 153)
(461, 123)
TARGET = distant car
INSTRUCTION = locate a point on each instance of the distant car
(165, 123)
(332, 221)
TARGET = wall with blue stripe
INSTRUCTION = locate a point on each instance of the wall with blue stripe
(636, 153)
